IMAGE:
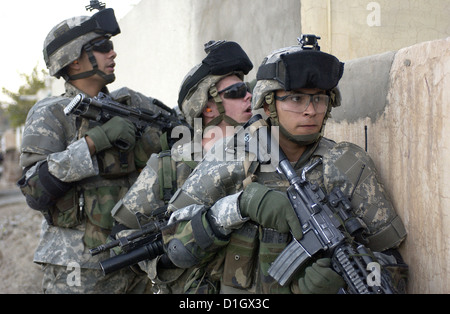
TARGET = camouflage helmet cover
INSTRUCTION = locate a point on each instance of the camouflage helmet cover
(197, 98)
(64, 43)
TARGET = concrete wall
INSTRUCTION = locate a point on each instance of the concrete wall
(353, 29)
(403, 98)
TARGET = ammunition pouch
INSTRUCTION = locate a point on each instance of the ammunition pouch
(114, 163)
(271, 244)
(100, 200)
(240, 257)
(350, 168)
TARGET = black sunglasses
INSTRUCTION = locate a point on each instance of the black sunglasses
(104, 45)
(235, 91)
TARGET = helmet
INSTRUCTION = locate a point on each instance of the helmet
(65, 42)
(293, 68)
(196, 100)
(224, 58)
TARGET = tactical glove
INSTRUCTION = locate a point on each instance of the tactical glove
(117, 131)
(319, 278)
(269, 208)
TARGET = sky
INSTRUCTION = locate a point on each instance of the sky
(24, 24)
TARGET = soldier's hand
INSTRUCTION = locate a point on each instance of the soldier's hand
(269, 208)
(319, 278)
(117, 132)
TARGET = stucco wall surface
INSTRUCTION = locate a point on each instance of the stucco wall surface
(408, 138)
(353, 29)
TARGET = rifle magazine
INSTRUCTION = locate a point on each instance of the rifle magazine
(287, 263)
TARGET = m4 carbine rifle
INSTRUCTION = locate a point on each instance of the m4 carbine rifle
(102, 108)
(144, 244)
(329, 228)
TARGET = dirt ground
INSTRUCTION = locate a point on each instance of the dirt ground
(19, 236)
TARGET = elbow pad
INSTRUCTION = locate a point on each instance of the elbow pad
(180, 255)
(190, 242)
(55, 187)
(41, 188)
(189, 252)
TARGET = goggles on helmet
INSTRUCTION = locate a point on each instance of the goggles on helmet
(103, 22)
(303, 69)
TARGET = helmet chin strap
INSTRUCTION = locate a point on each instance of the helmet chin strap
(222, 116)
(302, 140)
(109, 78)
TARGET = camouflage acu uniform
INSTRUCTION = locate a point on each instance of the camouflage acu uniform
(233, 253)
(167, 171)
(154, 187)
(81, 219)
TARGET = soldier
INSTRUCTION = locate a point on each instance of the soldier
(230, 229)
(73, 172)
(213, 99)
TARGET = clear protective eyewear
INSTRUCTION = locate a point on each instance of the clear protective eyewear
(300, 102)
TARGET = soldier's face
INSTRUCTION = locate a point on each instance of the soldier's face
(105, 60)
(300, 123)
(239, 109)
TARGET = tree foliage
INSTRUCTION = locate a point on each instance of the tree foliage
(4, 123)
(25, 97)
